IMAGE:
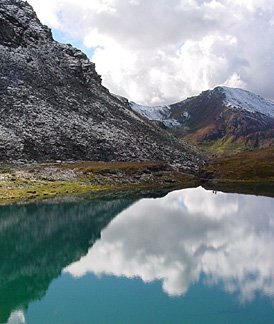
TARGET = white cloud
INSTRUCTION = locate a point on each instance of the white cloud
(161, 52)
(17, 317)
(228, 237)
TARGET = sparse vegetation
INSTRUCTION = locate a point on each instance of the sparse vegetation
(41, 181)
(223, 146)
(247, 172)
(253, 166)
(28, 182)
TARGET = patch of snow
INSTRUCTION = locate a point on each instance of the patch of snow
(171, 123)
(186, 115)
(158, 113)
(246, 100)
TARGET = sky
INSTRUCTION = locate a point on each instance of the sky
(224, 238)
(163, 51)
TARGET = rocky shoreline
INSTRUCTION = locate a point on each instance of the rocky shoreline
(250, 173)
(28, 182)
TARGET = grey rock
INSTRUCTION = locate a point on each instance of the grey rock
(54, 107)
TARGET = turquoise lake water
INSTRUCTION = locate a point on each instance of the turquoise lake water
(191, 256)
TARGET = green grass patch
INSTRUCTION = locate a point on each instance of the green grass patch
(223, 146)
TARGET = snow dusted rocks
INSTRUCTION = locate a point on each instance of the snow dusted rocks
(242, 99)
(233, 116)
(54, 107)
(156, 113)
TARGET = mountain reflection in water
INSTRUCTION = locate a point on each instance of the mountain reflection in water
(38, 240)
(227, 238)
(188, 236)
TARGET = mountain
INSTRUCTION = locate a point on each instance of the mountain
(39, 240)
(223, 119)
(54, 107)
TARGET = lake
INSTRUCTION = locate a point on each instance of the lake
(189, 256)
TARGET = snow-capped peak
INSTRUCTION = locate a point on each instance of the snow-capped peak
(232, 98)
(246, 100)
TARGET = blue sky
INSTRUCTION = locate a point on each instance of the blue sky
(159, 52)
(66, 38)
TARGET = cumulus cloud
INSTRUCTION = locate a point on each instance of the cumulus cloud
(17, 317)
(175, 239)
(161, 52)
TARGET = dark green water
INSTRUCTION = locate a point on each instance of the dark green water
(192, 256)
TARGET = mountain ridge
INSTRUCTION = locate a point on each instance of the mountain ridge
(54, 106)
(223, 117)
(163, 111)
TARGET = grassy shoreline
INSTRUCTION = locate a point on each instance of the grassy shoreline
(30, 182)
(250, 172)
(247, 172)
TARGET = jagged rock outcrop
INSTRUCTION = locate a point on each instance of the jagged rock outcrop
(54, 107)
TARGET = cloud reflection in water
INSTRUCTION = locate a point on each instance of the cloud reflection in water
(227, 237)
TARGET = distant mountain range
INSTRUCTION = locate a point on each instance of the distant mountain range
(223, 119)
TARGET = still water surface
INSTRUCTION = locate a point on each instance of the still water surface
(192, 256)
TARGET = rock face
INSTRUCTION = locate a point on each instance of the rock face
(223, 118)
(54, 107)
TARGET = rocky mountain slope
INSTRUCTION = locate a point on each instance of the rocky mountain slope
(224, 119)
(54, 107)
